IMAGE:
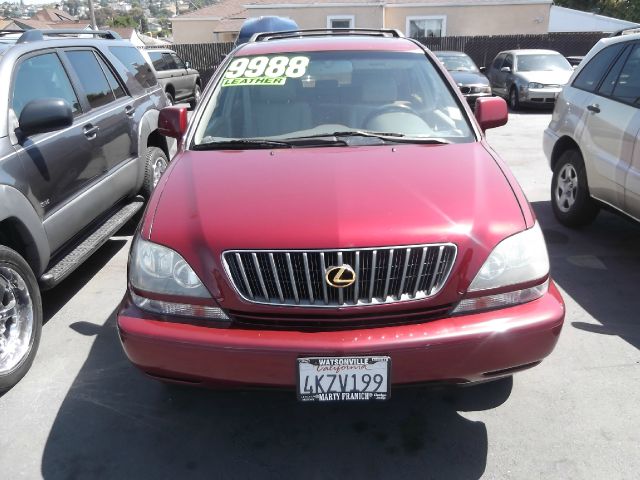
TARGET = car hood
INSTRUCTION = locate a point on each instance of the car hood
(469, 78)
(332, 197)
(560, 77)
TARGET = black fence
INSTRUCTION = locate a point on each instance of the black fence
(204, 57)
(483, 49)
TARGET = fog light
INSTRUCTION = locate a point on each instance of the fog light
(179, 309)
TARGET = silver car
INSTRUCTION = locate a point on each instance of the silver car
(591, 142)
(181, 83)
(531, 77)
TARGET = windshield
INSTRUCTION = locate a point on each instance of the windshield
(309, 95)
(458, 63)
(543, 63)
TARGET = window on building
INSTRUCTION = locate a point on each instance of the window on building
(423, 27)
(341, 21)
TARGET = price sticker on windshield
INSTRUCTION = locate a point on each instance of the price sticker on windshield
(264, 70)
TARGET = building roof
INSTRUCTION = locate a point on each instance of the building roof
(387, 3)
(53, 15)
(222, 10)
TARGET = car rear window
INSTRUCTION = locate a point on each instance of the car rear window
(291, 95)
(135, 65)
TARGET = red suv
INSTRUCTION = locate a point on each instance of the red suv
(335, 222)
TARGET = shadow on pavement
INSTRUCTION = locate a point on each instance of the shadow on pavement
(53, 300)
(599, 267)
(117, 423)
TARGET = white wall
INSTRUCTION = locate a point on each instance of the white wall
(568, 20)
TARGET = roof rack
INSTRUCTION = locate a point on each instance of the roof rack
(323, 32)
(626, 31)
(36, 35)
(9, 31)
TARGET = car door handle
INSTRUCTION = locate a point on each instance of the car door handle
(595, 108)
(129, 110)
(91, 131)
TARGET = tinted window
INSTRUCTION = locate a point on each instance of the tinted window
(42, 77)
(508, 62)
(135, 64)
(92, 78)
(177, 60)
(627, 88)
(117, 89)
(590, 76)
(169, 63)
(611, 80)
(497, 63)
(156, 59)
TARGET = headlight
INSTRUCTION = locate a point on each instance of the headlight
(159, 269)
(536, 85)
(481, 89)
(521, 258)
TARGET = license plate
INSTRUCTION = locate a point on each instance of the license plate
(326, 379)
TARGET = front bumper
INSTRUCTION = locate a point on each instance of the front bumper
(459, 349)
(540, 96)
(549, 140)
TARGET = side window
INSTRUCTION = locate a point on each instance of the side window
(156, 59)
(589, 77)
(508, 62)
(42, 77)
(611, 80)
(91, 77)
(116, 88)
(628, 86)
(178, 61)
(135, 64)
(169, 62)
(497, 63)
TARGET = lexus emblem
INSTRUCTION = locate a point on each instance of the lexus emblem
(340, 277)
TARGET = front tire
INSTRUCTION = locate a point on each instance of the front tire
(196, 96)
(170, 100)
(20, 318)
(572, 204)
(514, 100)
(155, 164)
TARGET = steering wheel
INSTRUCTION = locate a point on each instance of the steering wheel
(390, 108)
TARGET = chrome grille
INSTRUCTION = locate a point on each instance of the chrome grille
(383, 275)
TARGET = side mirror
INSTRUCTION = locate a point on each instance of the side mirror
(506, 69)
(45, 115)
(491, 112)
(172, 122)
(483, 69)
(187, 64)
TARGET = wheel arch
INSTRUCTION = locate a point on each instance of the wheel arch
(562, 145)
(21, 229)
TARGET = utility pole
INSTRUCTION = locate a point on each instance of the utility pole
(92, 16)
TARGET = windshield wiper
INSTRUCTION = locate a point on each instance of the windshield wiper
(241, 144)
(392, 137)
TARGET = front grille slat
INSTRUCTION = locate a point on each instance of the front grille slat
(383, 275)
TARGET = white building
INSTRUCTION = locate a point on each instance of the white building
(568, 20)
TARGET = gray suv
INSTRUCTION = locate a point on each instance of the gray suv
(181, 83)
(79, 143)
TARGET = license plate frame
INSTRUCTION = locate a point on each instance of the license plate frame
(357, 365)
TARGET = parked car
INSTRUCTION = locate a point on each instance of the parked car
(78, 142)
(346, 229)
(471, 82)
(181, 83)
(591, 142)
(529, 77)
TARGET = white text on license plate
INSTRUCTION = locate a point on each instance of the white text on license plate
(324, 379)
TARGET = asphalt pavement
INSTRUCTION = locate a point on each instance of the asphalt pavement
(84, 412)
